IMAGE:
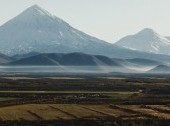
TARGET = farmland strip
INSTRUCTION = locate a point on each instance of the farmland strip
(35, 115)
(130, 116)
(132, 111)
(67, 113)
(103, 113)
(158, 109)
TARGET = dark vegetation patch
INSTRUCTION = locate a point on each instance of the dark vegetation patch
(89, 122)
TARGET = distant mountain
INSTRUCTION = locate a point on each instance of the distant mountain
(86, 62)
(5, 59)
(35, 30)
(78, 59)
(22, 56)
(146, 40)
(144, 62)
(71, 59)
(163, 69)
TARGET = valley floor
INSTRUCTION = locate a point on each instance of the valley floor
(84, 100)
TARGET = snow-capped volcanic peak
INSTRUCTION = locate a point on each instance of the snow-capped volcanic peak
(36, 13)
(146, 40)
(35, 9)
(36, 30)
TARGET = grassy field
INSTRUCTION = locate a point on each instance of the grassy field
(6, 99)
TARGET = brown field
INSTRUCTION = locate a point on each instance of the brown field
(73, 111)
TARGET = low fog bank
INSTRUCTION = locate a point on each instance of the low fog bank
(73, 69)
(141, 69)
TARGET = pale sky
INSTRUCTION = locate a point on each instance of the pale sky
(108, 20)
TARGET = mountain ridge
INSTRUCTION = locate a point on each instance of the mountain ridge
(35, 30)
(71, 59)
